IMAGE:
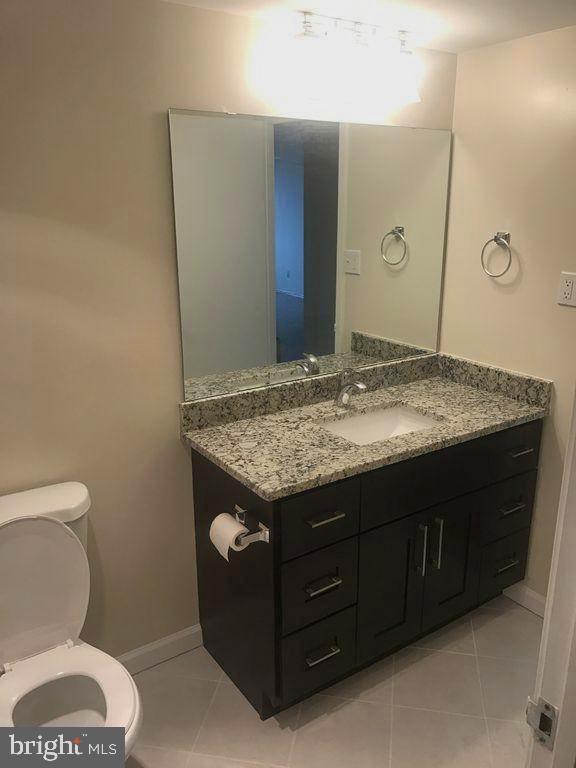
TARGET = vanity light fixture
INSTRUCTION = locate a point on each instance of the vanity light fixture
(333, 68)
(358, 64)
(318, 26)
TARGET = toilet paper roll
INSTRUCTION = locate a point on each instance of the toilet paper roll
(224, 533)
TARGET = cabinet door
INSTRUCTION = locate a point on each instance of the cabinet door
(392, 565)
(453, 566)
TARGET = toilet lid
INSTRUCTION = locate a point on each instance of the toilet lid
(44, 586)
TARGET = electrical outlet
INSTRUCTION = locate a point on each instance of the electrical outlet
(567, 289)
(352, 261)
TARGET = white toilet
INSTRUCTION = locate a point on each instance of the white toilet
(48, 676)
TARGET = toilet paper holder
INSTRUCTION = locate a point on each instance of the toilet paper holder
(250, 538)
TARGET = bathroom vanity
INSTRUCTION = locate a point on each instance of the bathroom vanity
(303, 250)
(358, 567)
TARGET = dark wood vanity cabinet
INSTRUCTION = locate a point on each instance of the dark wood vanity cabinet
(415, 574)
(356, 569)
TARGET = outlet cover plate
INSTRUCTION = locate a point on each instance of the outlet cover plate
(352, 262)
(567, 289)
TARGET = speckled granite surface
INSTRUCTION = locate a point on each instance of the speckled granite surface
(384, 349)
(288, 452)
(222, 409)
(491, 379)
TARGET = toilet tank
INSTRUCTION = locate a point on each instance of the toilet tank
(67, 502)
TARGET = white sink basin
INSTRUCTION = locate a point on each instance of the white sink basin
(379, 424)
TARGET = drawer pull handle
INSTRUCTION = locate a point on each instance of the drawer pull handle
(313, 661)
(422, 568)
(319, 520)
(326, 584)
(508, 567)
(521, 453)
(512, 510)
(438, 561)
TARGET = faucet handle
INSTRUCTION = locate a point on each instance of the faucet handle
(312, 361)
(348, 376)
(349, 384)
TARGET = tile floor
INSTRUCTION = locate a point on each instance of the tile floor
(456, 699)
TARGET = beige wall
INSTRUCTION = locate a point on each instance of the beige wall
(395, 176)
(514, 168)
(91, 372)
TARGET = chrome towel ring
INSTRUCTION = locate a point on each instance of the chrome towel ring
(503, 240)
(397, 232)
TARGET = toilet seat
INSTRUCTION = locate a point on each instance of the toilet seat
(44, 591)
(66, 661)
(44, 587)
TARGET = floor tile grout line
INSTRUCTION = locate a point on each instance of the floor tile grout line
(481, 688)
(419, 709)
(506, 720)
(526, 659)
(208, 708)
(362, 700)
(440, 650)
(464, 653)
(515, 607)
(455, 714)
(439, 711)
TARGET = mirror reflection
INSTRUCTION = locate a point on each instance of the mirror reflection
(323, 243)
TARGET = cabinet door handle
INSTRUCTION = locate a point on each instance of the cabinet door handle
(422, 567)
(325, 518)
(313, 661)
(512, 510)
(323, 585)
(511, 564)
(438, 561)
(522, 452)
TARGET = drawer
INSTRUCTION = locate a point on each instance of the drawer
(319, 584)
(318, 655)
(512, 451)
(320, 517)
(503, 564)
(506, 507)
(410, 486)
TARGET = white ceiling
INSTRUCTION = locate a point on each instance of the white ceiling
(445, 25)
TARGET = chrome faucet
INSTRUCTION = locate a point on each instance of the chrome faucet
(349, 385)
(309, 364)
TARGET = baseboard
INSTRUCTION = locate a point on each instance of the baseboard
(161, 650)
(527, 598)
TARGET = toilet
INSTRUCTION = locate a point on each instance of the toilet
(48, 676)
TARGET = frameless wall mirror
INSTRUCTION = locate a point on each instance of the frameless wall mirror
(304, 247)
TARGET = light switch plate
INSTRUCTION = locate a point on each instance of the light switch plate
(352, 262)
(567, 289)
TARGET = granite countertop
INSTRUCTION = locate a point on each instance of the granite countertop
(284, 453)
